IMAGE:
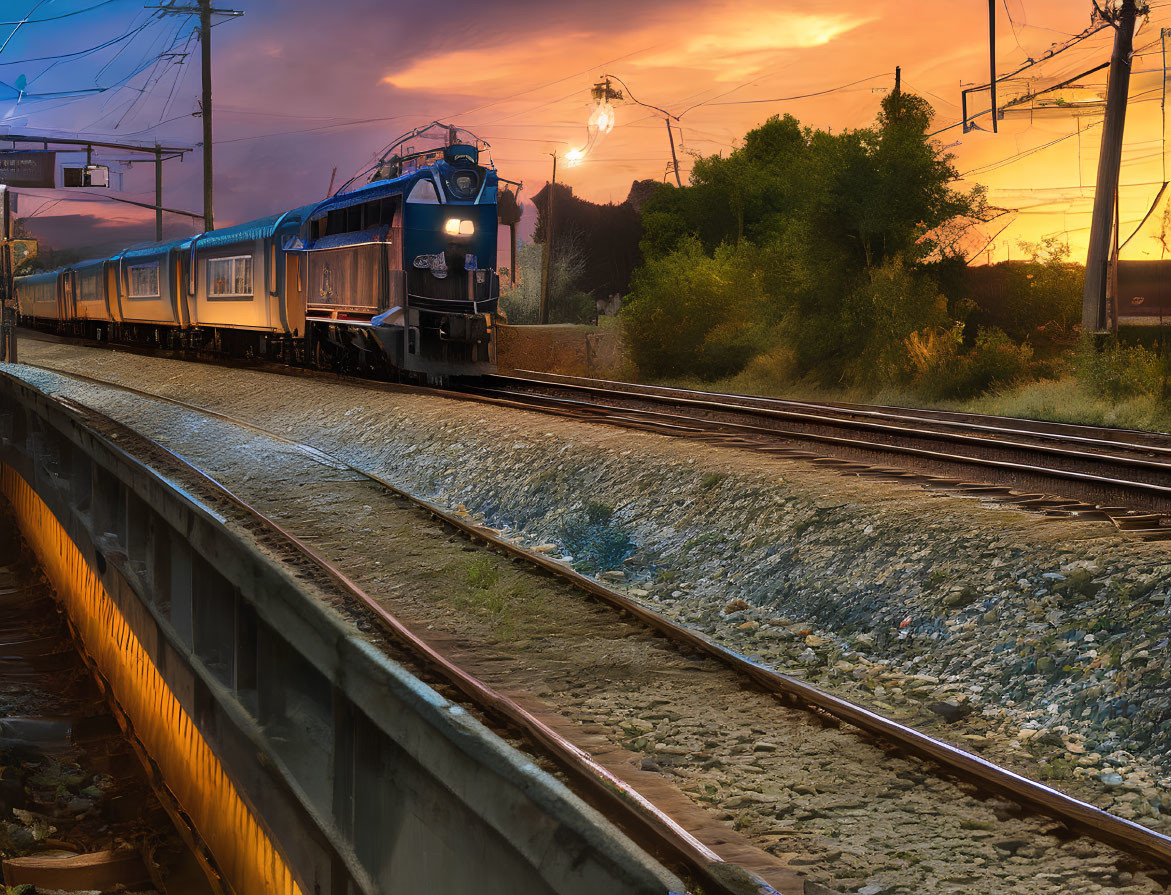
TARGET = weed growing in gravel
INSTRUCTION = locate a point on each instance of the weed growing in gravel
(598, 513)
(544, 480)
(506, 607)
(483, 574)
(710, 538)
(711, 479)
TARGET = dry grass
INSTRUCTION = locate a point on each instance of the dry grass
(1060, 400)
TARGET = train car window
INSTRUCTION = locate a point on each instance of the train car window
(144, 280)
(230, 277)
(88, 287)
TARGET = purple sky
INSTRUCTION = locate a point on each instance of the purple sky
(302, 86)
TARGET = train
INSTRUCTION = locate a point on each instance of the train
(395, 278)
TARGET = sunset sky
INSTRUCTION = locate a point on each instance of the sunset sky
(301, 87)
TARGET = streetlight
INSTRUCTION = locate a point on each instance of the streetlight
(604, 112)
(602, 118)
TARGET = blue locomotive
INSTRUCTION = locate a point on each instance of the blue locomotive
(395, 278)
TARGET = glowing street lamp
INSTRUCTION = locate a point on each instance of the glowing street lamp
(602, 117)
(604, 112)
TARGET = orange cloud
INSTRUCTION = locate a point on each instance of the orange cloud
(738, 47)
(461, 71)
(730, 43)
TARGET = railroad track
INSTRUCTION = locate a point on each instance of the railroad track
(1087, 473)
(1079, 472)
(454, 663)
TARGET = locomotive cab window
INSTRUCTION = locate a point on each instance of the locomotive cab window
(144, 280)
(356, 218)
(230, 277)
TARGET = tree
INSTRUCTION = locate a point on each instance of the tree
(838, 229)
(606, 236)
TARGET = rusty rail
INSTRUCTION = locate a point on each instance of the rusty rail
(1074, 813)
(649, 826)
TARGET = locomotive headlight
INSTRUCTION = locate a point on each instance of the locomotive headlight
(456, 227)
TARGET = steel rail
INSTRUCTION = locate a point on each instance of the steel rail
(522, 400)
(950, 418)
(820, 419)
(1074, 813)
(640, 818)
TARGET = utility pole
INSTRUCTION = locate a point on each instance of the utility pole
(158, 193)
(7, 282)
(674, 158)
(205, 11)
(543, 311)
(1109, 160)
(205, 54)
(898, 91)
(992, 57)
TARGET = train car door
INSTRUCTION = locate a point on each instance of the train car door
(67, 296)
(294, 282)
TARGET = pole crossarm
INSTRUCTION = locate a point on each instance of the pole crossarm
(195, 10)
(72, 141)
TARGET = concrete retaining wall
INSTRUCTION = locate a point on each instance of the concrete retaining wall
(563, 348)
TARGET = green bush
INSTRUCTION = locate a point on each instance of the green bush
(1120, 371)
(943, 369)
(996, 361)
(892, 303)
(691, 314)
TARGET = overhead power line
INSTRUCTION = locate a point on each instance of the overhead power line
(786, 99)
(75, 53)
(63, 15)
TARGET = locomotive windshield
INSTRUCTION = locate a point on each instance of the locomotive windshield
(464, 184)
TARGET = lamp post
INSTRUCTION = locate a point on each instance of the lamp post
(602, 90)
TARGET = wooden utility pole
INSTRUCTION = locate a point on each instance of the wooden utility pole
(674, 158)
(992, 57)
(205, 53)
(543, 311)
(1109, 161)
(601, 91)
(7, 280)
(205, 11)
(158, 193)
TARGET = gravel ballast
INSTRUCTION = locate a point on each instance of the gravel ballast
(1038, 642)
